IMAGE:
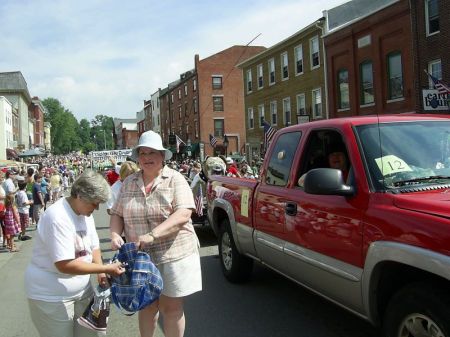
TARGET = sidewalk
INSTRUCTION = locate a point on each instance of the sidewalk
(15, 318)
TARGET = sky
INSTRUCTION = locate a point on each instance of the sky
(105, 57)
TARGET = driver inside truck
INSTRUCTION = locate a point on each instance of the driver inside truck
(337, 159)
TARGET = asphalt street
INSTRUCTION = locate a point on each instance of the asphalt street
(267, 306)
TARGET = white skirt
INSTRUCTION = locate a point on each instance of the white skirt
(182, 277)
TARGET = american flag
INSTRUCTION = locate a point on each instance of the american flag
(212, 140)
(269, 131)
(179, 141)
(199, 201)
(439, 85)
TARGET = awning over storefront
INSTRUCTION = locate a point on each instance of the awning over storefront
(32, 152)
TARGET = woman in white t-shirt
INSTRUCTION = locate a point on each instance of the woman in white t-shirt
(66, 251)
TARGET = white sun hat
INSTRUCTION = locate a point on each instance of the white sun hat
(153, 140)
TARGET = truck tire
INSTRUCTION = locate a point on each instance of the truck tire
(235, 266)
(419, 309)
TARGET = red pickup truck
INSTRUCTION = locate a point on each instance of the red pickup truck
(371, 235)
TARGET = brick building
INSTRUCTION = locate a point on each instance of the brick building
(369, 58)
(431, 44)
(207, 100)
(284, 85)
(37, 110)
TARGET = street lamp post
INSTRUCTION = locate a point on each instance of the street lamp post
(225, 143)
(188, 145)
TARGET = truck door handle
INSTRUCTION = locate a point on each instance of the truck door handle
(291, 208)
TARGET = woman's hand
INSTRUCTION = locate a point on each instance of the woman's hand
(116, 241)
(144, 240)
(114, 269)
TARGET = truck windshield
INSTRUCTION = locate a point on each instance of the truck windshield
(401, 154)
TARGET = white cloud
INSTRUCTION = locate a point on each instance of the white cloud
(107, 56)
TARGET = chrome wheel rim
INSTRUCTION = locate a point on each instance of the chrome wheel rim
(226, 251)
(418, 325)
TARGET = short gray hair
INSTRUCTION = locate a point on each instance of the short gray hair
(91, 187)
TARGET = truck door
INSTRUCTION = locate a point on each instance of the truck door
(270, 200)
(324, 237)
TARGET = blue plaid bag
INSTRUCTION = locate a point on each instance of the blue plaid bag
(140, 285)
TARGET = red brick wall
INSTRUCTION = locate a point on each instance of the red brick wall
(223, 63)
(389, 30)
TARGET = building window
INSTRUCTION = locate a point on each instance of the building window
(185, 109)
(367, 92)
(271, 64)
(171, 98)
(298, 52)
(273, 112)
(301, 105)
(185, 90)
(395, 75)
(260, 76)
(314, 48)
(217, 103)
(287, 111)
(434, 69)
(432, 16)
(179, 112)
(196, 128)
(217, 82)
(343, 92)
(179, 93)
(261, 115)
(194, 84)
(195, 106)
(218, 127)
(284, 66)
(317, 103)
(249, 81)
(251, 120)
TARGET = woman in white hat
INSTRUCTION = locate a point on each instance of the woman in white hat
(154, 209)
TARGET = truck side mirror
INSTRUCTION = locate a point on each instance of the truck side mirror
(327, 181)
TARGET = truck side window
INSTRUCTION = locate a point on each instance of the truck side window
(325, 148)
(281, 158)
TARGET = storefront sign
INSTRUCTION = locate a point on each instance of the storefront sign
(434, 101)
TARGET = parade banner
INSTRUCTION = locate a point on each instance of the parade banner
(100, 159)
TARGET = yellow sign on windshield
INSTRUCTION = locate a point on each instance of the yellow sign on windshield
(392, 164)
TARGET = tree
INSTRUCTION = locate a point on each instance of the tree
(102, 129)
(65, 130)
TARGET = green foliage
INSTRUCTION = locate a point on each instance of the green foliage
(68, 135)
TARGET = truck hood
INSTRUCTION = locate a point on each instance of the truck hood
(436, 203)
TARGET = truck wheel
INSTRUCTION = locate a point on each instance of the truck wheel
(235, 266)
(418, 310)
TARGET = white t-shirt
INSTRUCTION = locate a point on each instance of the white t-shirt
(22, 200)
(2, 193)
(115, 190)
(61, 235)
(8, 186)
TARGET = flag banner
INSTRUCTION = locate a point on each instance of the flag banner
(179, 142)
(212, 140)
(269, 131)
(199, 201)
(439, 85)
